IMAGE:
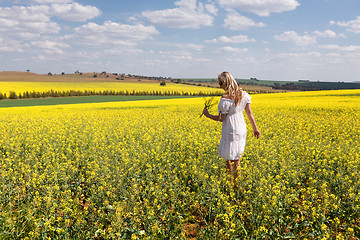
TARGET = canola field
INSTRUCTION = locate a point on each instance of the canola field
(21, 87)
(150, 170)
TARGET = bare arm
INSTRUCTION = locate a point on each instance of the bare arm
(252, 120)
(218, 117)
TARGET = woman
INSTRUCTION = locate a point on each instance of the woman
(233, 133)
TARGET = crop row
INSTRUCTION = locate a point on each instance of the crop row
(71, 93)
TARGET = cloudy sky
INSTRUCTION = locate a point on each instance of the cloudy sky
(266, 39)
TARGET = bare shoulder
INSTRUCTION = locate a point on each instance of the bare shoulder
(226, 95)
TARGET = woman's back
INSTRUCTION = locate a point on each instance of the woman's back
(233, 133)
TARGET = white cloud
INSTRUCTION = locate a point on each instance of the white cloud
(306, 39)
(235, 21)
(86, 55)
(233, 39)
(328, 34)
(124, 51)
(49, 47)
(301, 59)
(332, 54)
(233, 50)
(7, 45)
(296, 55)
(155, 63)
(33, 22)
(189, 14)
(352, 25)
(26, 14)
(350, 48)
(191, 46)
(39, 27)
(261, 7)
(42, 13)
(177, 56)
(39, 57)
(8, 23)
(203, 60)
(111, 33)
(330, 46)
(74, 12)
(187, 4)
(26, 22)
(51, 1)
(211, 9)
(292, 36)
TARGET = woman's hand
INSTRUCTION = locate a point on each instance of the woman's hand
(256, 133)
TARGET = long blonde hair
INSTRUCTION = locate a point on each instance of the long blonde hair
(231, 86)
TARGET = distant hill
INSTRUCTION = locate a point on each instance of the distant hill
(249, 84)
(314, 86)
(300, 85)
(13, 76)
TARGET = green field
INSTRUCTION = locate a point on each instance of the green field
(77, 100)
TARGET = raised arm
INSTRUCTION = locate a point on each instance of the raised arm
(252, 120)
(219, 117)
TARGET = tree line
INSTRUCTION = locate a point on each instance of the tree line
(316, 86)
(73, 93)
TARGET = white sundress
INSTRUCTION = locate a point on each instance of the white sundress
(233, 132)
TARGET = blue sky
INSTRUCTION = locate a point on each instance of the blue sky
(267, 39)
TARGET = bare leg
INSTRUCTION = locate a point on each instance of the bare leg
(237, 169)
(234, 170)
(229, 167)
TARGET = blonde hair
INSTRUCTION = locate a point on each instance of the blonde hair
(231, 86)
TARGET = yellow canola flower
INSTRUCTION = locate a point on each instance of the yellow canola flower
(150, 170)
(21, 87)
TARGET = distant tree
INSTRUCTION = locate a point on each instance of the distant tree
(28, 70)
(163, 83)
(49, 73)
(276, 85)
(95, 76)
(62, 73)
(13, 95)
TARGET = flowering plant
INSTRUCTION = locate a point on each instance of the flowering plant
(209, 103)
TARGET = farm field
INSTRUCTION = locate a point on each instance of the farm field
(149, 170)
(77, 100)
(21, 87)
(13, 76)
(21, 82)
